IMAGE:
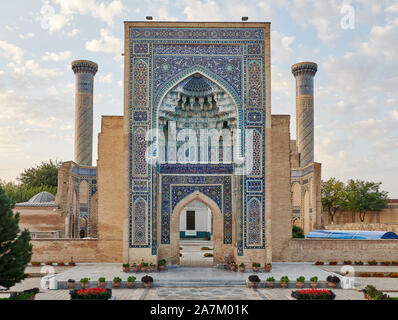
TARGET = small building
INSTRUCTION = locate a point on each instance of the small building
(40, 216)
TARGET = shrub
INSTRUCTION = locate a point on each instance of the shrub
(91, 294)
(270, 279)
(372, 262)
(319, 263)
(84, 280)
(205, 248)
(144, 264)
(254, 278)
(358, 263)
(35, 263)
(394, 263)
(207, 254)
(333, 279)
(314, 279)
(256, 265)
(49, 263)
(147, 279)
(386, 263)
(126, 265)
(101, 279)
(347, 262)
(242, 265)
(72, 264)
(332, 263)
(313, 294)
(300, 279)
(60, 264)
(162, 262)
(117, 280)
(297, 232)
(378, 275)
(393, 274)
(364, 274)
(285, 279)
(131, 279)
(375, 294)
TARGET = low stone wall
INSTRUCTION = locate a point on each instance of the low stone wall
(310, 250)
(80, 250)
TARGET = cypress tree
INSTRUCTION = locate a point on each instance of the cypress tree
(15, 247)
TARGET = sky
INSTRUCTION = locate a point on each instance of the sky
(354, 43)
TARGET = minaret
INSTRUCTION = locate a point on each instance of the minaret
(84, 72)
(304, 73)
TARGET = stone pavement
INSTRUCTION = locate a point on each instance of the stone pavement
(190, 276)
(193, 256)
(205, 293)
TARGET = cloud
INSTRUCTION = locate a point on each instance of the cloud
(394, 114)
(107, 44)
(105, 78)
(69, 8)
(280, 46)
(32, 68)
(26, 36)
(11, 51)
(51, 56)
(73, 33)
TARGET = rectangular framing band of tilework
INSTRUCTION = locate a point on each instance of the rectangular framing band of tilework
(201, 44)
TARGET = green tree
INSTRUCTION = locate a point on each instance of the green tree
(297, 232)
(332, 192)
(45, 173)
(22, 193)
(365, 196)
(15, 247)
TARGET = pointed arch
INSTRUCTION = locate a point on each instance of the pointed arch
(217, 225)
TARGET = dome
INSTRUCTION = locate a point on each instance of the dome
(197, 86)
(42, 197)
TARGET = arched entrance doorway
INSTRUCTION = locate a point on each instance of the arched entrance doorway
(217, 226)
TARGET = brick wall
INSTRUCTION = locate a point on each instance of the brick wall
(310, 250)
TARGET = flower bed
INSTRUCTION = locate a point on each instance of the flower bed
(378, 275)
(91, 294)
(393, 274)
(364, 274)
(313, 294)
(207, 255)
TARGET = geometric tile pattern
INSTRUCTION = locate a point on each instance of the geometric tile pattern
(232, 58)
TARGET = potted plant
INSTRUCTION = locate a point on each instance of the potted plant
(233, 266)
(313, 282)
(131, 282)
(60, 264)
(332, 281)
(255, 266)
(347, 262)
(378, 274)
(284, 281)
(268, 267)
(35, 263)
(70, 284)
(254, 280)
(84, 283)
(101, 282)
(395, 263)
(207, 255)
(126, 267)
(134, 268)
(147, 281)
(162, 265)
(372, 263)
(385, 263)
(116, 282)
(152, 267)
(393, 274)
(242, 267)
(358, 263)
(332, 263)
(143, 266)
(270, 282)
(319, 263)
(300, 282)
(71, 264)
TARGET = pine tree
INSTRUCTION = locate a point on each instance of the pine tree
(15, 248)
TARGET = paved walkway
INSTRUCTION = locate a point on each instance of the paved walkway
(206, 293)
(193, 255)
